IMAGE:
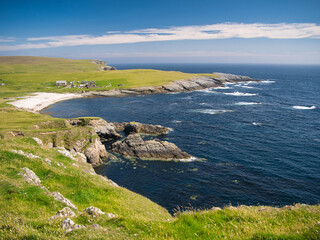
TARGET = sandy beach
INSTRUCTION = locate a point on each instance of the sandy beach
(41, 100)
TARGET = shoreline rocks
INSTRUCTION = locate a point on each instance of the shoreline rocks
(134, 146)
(181, 85)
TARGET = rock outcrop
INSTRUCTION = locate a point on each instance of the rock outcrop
(95, 152)
(93, 211)
(181, 85)
(65, 212)
(106, 131)
(69, 225)
(59, 197)
(30, 176)
(135, 127)
(134, 146)
(227, 77)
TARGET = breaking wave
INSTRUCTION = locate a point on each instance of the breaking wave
(304, 107)
(213, 111)
(247, 103)
(241, 94)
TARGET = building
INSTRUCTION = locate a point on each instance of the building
(61, 83)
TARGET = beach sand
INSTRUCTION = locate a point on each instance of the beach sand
(38, 101)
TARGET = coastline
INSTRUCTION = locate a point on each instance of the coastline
(41, 100)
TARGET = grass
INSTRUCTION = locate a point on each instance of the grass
(40, 75)
(25, 209)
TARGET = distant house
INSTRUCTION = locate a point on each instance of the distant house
(61, 83)
(90, 84)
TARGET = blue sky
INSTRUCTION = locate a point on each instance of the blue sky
(163, 31)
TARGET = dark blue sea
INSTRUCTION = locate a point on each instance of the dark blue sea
(255, 143)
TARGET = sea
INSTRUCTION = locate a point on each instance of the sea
(255, 143)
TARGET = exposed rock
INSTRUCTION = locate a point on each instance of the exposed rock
(69, 225)
(65, 212)
(59, 197)
(135, 127)
(119, 126)
(108, 68)
(232, 77)
(95, 212)
(99, 62)
(106, 131)
(79, 156)
(66, 153)
(135, 146)
(17, 133)
(30, 176)
(28, 155)
(38, 140)
(75, 165)
(61, 165)
(215, 208)
(95, 151)
(111, 215)
(47, 161)
(95, 226)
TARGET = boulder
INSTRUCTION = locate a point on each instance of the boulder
(69, 225)
(93, 211)
(65, 212)
(134, 146)
(135, 127)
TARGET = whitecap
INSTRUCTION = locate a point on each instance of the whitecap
(191, 159)
(257, 124)
(222, 88)
(177, 121)
(247, 103)
(241, 94)
(206, 90)
(213, 111)
(304, 107)
(245, 86)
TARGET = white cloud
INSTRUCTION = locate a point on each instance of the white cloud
(214, 31)
(8, 39)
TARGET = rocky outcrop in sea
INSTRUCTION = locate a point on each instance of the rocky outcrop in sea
(133, 146)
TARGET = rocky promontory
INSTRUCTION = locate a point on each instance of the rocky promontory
(181, 85)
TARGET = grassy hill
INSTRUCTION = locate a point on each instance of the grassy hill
(23, 75)
(26, 208)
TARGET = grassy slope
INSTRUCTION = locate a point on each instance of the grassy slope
(40, 74)
(25, 208)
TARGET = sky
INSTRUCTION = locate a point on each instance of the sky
(154, 31)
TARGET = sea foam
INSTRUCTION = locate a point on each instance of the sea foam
(304, 107)
(241, 94)
(213, 111)
(247, 103)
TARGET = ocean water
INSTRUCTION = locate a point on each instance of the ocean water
(255, 143)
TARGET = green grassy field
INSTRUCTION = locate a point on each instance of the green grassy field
(34, 74)
(25, 208)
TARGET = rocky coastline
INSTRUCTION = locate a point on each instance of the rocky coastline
(125, 139)
(182, 85)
